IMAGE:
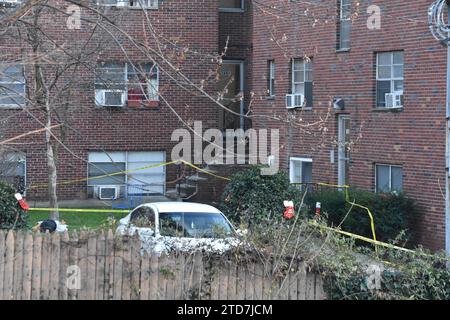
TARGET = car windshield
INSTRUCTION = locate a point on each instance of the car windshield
(194, 225)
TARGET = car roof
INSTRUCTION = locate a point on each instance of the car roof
(183, 207)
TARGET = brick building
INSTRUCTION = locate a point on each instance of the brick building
(390, 135)
(124, 100)
(387, 132)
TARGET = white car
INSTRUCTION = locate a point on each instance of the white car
(181, 226)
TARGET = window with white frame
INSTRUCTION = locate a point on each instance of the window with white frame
(390, 79)
(133, 4)
(271, 78)
(130, 172)
(302, 79)
(231, 5)
(134, 84)
(388, 178)
(13, 169)
(300, 172)
(12, 85)
(345, 24)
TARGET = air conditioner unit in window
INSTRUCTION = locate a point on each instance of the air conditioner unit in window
(295, 101)
(122, 3)
(145, 4)
(108, 192)
(394, 100)
(107, 3)
(110, 98)
(9, 3)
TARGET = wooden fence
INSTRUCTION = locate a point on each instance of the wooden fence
(104, 267)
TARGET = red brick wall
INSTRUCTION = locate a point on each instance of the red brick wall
(181, 25)
(413, 137)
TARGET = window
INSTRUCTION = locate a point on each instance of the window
(12, 85)
(300, 171)
(143, 217)
(125, 170)
(271, 78)
(302, 79)
(133, 4)
(345, 24)
(390, 79)
(142, 82)
(194, 225)
(388, 178)
(13, 170)
(231, 5)
(139, 83)
(102, 164)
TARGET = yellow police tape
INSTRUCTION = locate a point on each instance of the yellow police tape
(134, 170)
(347, 198)
(365, 239)
(80, 210)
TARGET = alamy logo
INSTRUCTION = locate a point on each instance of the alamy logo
(73, 281)
(208, 147)
(74, 20)
(373, 280)
(374, 21)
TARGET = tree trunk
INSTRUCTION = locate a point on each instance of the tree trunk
(51, 165)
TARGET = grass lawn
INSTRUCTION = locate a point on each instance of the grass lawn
(76, 220)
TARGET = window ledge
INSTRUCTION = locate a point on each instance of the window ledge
(384, 109)
(231, 10)
(139, 103)
(300, 109)
(343, 50)
(10, 107)
(270, 97)
(139, 8)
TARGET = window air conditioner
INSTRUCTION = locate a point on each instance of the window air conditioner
(145, 4)
(295, 101)
(108, 192)
(107, 3)
(9, 3)
(394, 100)
(122, 3)
(110, 98)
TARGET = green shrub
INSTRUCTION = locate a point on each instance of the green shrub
(12, 216)
(390, 211)
(421, 275)
(253, 198)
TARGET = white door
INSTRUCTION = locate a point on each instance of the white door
(343, 153)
